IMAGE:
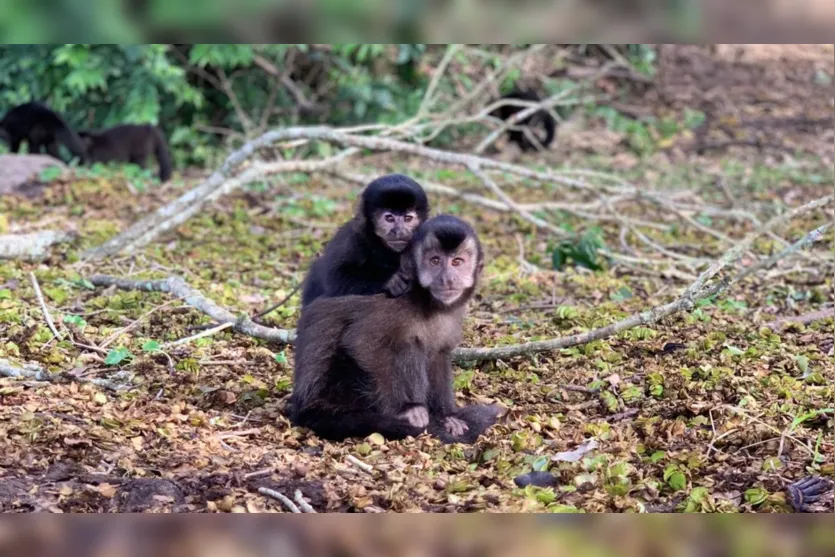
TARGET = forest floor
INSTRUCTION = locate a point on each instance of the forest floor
(709, 411)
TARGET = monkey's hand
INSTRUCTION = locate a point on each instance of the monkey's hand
(455, 426)
(417, 416)
(397, 285)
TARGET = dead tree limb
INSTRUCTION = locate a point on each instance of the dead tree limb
(219, 183)
(31, 246)
(686, 302)
(178, 287)
(222, 180)
(34, 372)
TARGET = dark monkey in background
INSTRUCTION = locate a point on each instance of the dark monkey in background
(365, 252)
(130, 143)
(42, 128)
(539, 119)
(368, 364)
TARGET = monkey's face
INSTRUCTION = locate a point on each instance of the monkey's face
(448, 273)
(396, 228)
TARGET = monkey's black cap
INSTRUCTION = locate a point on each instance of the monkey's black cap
(449, 230)
(395, 192)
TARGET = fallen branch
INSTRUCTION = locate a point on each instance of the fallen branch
(33, 371)
(303, 504)
(367, 468)
(221, 181)
(279, 497)
(686, 302)
(804, 319)
(32, 246)
(178, 287)
(44, 309)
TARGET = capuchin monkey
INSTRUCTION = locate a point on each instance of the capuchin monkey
(131, 143)
(367, 364)
(365, 252)
(42, 128)
(540, 118)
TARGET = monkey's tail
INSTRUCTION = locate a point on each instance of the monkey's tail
(162, 154)
(71, 141)
(339, 426)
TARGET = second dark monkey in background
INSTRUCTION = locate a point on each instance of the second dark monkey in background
(365, 252)
(131, 143)
(539, 119)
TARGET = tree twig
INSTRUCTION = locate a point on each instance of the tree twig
(298, 497)
(291, 506)
(202, 334)
(367, 468)
(44, 309)
(278, 304)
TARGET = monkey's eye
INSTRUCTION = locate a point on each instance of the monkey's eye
(435, 261)
(389, 217)
(457, 261)
(408, 218)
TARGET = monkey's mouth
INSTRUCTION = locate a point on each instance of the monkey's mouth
(397, 245)
(446, 296)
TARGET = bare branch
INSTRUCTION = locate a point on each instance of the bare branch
(33, 371)
(32, 246)
(44, 309)
(279, 497)
(685, 302)
(178, 287)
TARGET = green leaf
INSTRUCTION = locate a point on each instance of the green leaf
(281, 358)
(657, 456)
(151, 346)
(802, 363)
(76, 320)
(733, 350)
(756, 495)
(5, 294)
(541, 464)
(117, 356)
(677, 481)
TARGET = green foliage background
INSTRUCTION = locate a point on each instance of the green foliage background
(208, 97)
(178, 86)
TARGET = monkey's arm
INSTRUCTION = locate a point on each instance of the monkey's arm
(407, 384)
(441, 394)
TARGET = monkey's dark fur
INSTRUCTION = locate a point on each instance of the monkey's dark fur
(131, 143)
(358, 260)
(540, 118)
(42, 128)
(366, 364)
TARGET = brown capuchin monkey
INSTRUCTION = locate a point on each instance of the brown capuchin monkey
(378, 363)
(365, 253)
(131, 143)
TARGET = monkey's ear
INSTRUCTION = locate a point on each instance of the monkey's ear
(479, 268)
(359, 216)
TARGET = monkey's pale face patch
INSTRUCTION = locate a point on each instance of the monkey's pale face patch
(447, 275)
(395, 229)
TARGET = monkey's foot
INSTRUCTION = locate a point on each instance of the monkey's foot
(455, 426)
(417, 416)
